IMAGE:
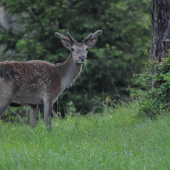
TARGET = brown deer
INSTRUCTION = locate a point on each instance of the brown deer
(40, 83)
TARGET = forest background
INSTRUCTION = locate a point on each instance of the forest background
(126, 26)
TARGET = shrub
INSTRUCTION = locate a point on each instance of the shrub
(156, 99)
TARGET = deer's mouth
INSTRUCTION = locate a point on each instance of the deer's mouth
(82, 62)
(82, 59)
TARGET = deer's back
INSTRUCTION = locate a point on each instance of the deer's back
(33, 81)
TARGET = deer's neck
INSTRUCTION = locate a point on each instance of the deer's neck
(68, 72)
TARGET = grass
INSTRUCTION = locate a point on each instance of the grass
(113, 140)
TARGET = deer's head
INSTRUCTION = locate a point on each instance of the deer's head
(79, 50)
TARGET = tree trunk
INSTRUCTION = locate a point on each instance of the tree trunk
(160, 30)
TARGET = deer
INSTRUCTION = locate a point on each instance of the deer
(37, 82)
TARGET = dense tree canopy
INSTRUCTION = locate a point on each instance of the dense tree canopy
(117, 55)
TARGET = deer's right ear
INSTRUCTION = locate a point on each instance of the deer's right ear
(66, 44)
(65, 41)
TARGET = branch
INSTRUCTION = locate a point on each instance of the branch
(152, 12)
(18, 116)
(35, 17)
(55, 113)
(2, 29)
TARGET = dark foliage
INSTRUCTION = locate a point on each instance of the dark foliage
(118, 54)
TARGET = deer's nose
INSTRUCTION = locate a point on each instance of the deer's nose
(82, 58)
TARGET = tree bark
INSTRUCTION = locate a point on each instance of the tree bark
(160, 31)
(160, 28)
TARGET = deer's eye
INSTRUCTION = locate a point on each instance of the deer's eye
(87, 49)
(72, 49)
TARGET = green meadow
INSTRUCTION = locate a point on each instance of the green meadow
(115, 139)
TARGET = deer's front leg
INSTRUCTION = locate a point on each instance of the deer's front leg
(47, 113)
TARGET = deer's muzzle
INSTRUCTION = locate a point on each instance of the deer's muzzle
(82, 58)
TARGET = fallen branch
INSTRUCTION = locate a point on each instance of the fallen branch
(18, 116)
(55, 113)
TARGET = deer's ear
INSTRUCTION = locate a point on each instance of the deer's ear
(65, 40)
(66, 44)
(91, 43)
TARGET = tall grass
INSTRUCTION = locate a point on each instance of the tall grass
(116, 139)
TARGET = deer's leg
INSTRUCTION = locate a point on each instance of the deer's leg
(33, 114)
(47, 113)
(4, 103)
(7, 93)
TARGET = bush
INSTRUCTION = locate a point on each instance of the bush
(156, 99)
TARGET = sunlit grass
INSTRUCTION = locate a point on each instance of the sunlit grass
(117, 139)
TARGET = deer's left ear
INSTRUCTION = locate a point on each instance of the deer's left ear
(91, 40)
(91, 43)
